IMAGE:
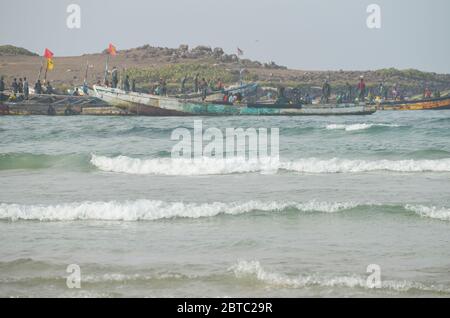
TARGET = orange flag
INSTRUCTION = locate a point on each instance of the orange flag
(48, 54)
(112, 50)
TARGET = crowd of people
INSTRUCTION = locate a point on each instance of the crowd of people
(20, 89)
(364, 94)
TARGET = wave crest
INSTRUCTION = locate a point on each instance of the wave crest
(356, 127)
(430, 212)
(211, 166)
(253, 269)
(155, 210)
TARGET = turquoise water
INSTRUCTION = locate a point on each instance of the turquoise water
(104, 193)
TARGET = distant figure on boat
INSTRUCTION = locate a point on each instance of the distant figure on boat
(396, 92)
(204, 88)
(126, 84)
(49, 90)
(183, 84)
(281, 99)
(2, 88)
(437, 94)
(362, 89)
(382, 91)
(76, 92)
(370, 96)
(196, 86)
(26, 88)
(307, 99)
(114, 77)
(427, 93)
(326, 92)
(20, 86)
(133, 85)
(51, 111)
(2, 84)
(15, 86)
(220, 85)
(85, 89)
(163, 87)
(348, 93)
(38, 87)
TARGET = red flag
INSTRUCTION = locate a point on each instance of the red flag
(48, 54)
(112, 50)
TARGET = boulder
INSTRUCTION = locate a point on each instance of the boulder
(218, 52)
(183, 48)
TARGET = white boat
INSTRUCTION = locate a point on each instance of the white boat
(154, 105)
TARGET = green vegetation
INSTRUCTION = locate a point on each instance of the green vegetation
(14, 50)
(175, 73)
(406, 74)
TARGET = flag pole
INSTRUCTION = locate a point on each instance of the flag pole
(40, 69)
(45, 76)
(106, 69)
(86, 73)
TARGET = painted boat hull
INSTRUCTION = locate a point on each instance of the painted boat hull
(51, 105)
(428, 104)
(151, 105)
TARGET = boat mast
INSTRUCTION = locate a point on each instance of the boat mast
(40, 69)
(46, 71)
(86, 72)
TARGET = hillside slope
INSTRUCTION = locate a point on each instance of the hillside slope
(147, 64)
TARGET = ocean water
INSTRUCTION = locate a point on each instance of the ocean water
(104, 194)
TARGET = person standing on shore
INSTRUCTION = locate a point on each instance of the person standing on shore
(26, 88)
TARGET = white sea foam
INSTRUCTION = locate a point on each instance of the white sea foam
(430, 212)
(356, 127)
(253, 269)
(155, 210)
(184, 167)
(337, 165)
(210, 166)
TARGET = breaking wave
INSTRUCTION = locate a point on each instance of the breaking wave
(430, 212)
(356, 127)
(254, 270)
(213, 166)
(150, 210)
(142, 210)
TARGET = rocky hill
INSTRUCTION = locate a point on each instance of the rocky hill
(10, 50)
(147, 64)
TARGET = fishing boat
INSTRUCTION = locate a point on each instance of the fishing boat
(155, 105)
(424, 104)
(52, 105)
